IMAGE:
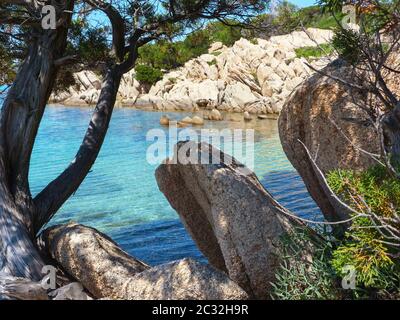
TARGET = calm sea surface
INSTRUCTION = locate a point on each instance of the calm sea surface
(120, 195)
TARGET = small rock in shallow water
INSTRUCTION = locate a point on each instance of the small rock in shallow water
(164, 121)
(196, 120)
(247, 116)
(187, 120)
(215, 115)
(181, 124)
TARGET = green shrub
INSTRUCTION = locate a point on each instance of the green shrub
(173, 80)
(308, 52)
(170, 55)
(348, 44)
(212, 62)
(376, 263)
(315, 17)
(363, 246)
(219, 32)
(254, 41)
(287, 17)
(88, 42)
(148, 75)
(298, 278)
(216, 53)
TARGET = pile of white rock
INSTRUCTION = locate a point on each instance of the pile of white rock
(251, 76)
(86, 91)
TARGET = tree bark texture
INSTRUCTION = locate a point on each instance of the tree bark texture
(21, 215)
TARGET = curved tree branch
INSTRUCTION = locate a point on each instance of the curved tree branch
(24, 106)
(52, 197)
(117, 23)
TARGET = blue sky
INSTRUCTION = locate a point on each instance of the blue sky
(303, 3)
(299, 3)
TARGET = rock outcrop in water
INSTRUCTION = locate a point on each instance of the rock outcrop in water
(234, 221)
(253, 77)
(108, 272)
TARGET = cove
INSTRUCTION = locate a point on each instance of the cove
(120, 196)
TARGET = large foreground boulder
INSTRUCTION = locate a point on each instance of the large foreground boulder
(91, 257)
(106, 271)
(322, 114)
(185, 279)
(234, 221)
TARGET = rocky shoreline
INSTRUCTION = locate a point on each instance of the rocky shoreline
(233, 219)
(251, 76)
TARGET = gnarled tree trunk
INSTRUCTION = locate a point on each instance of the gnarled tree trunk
(21, 215)
(20, 118)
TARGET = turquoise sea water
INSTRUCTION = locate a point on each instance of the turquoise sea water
(120, 195)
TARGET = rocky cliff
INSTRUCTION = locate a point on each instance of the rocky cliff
(254, 76)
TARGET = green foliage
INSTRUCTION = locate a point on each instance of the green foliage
(317, 52)
(316, 17)
(173, 80)
(302, 278)
(170, 55)
(219, 32)
(348, 44)
(7, 70)
(380, 191)
(216, 53)
(287, 17)
(363, 247)
(212, 62)
(371, 18)
(147, 74)
(291, 18)
(8, 59)
(163, 55)
(87, 42)
(376, 263)
(369, 258)
(254, 41)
